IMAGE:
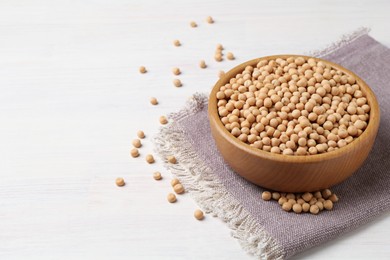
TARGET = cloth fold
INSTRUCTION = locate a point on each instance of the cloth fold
(263, 228)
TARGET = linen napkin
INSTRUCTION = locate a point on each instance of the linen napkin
(263, 228)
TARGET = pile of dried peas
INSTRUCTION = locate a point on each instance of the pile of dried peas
(293, 106)
(303, 202)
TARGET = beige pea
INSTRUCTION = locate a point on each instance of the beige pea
(153, 101)
(314, 209)
(266, 195)
(230, 56)
(305, 207)
(202, 64)
(297, 208)
(119, 182)
(149, 158)
(174, 181)
(319, 205)
(221, 73)
(177, 83)
(157, 176)
(134, 152)
(328, 204)
(163, 120)
(193, 24)
(333, 198)
(286, 206)
(176, 71)
(198, 214)
(136, 143)
(171, 159)
(209, 19)
(171, 198)
(178, 188)
(282, 200)
(142, 69)
(176, 43)
(218, 57)
(326, 193)
(307, 196)
(275, 195)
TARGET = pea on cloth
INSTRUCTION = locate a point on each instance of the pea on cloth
(263, 228)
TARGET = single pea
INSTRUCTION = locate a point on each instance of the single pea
(157, 176)
(177, 83)
(174, 181)
(275, 195)
(136, 143)
(209, 19)
(297, 208)
(198, 214)
(120, 182)
(314, 209)
(286, 206)
(153, 101)
(163, 120)
(202, 64)
(230, 56)
(176, 43)
(266, 195)
(171, 198)
(328, 204)
(171, 159)
(149, 158)
(176, 71)
(134, 152)
(142, 69)
(178, 188)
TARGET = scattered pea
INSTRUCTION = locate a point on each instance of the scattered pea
(163, 120)
(314, 209)
(171, 159)
(120, 182)
(174, 181)
(142, 69)
(157, 176)
(137, 143)
(176, 43)
(300, 105)
(177, 83)
(328, 204)
(134, 152)
(266, 195)
(202, 64)
(209, 19)
(193, 24)
(230, 56)
(171, 198)
(153, 101)
(297, 208)
(198, 214)
(178, 188)
(176, 71)
(287, 206)
(149, 158)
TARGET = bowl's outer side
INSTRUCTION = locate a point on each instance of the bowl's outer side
(282, 172)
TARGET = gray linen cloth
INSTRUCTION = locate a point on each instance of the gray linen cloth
(263, 228)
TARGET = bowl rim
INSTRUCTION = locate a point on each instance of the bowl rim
(372, 125)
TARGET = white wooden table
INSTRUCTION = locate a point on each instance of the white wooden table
(71, 101)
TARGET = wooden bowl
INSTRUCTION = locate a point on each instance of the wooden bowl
(291, 173)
